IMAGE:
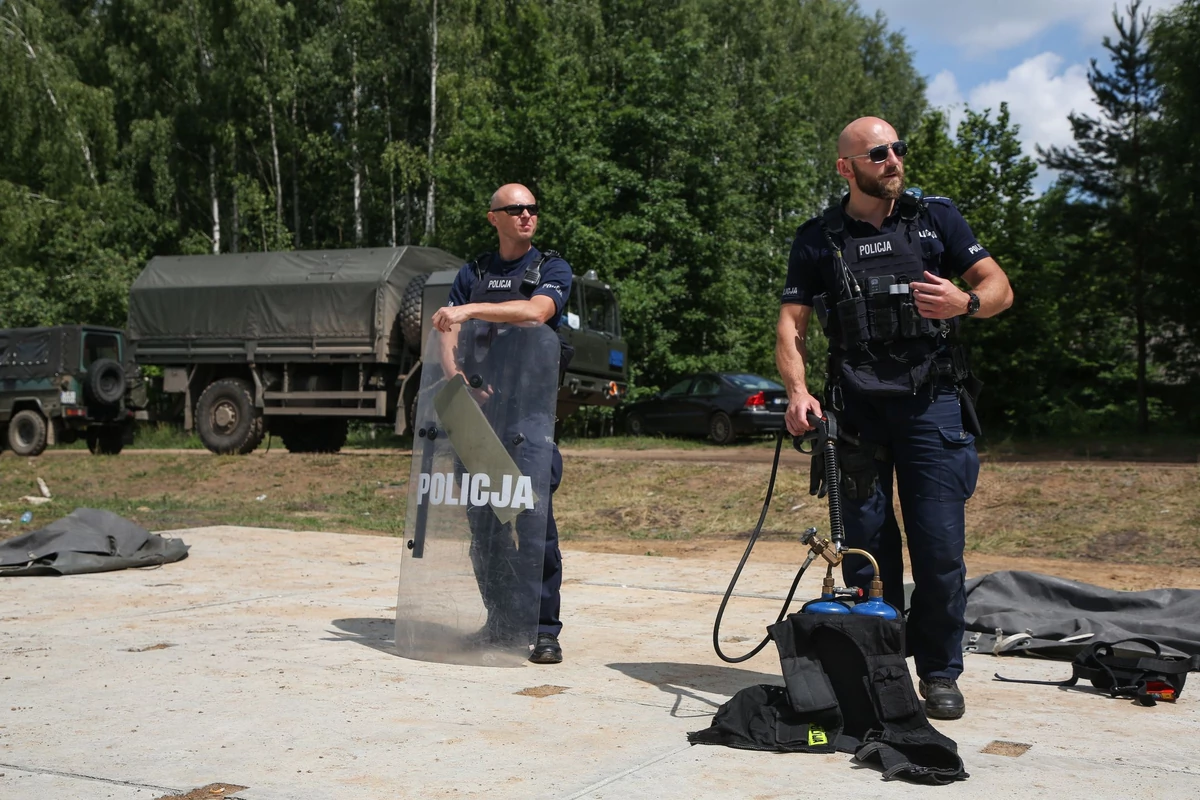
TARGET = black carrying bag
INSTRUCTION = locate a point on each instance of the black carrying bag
(1144, 678)
(848, 689)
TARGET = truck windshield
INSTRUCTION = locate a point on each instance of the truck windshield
(601, 310)
(100, 345)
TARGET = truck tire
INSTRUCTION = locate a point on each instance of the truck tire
(410, 313)
(316, 436)
(226, 419)
(27, 433)
(105, 383)
(105, 441)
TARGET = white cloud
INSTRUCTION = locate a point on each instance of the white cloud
(1040, 94)
(983, 27)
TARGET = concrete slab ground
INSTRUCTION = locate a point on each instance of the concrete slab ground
(262, 661)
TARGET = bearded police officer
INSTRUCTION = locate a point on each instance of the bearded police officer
(516, 284)
(877, 269)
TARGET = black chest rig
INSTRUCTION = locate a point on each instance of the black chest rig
(493, 288)
(881, 345)
(847, 688)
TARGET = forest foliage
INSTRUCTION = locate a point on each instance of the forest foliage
(673, 152)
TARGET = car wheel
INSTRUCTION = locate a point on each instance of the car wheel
(635, 425)
(27, 433)
(226, 419)
(720, 428)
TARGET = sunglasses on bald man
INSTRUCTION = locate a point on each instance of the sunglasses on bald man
(515, 209)
(879, 153)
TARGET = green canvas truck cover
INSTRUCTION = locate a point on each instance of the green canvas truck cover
(311, 295)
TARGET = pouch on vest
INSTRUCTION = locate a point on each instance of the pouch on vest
(846, 681)
(884, 377)
(1146, 679)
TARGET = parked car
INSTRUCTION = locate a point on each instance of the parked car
(721, 406)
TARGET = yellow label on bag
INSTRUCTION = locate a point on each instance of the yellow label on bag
(817, 736)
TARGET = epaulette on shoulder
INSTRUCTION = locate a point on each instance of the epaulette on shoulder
(814, 221)
(480, 263)
(934, 198)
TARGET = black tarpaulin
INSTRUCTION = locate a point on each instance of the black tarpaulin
(87, 540)
(1049, 609)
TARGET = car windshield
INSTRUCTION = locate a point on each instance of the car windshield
(752, 382)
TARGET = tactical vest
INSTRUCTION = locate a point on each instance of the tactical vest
(847, 688)
(881, 345)
(492, 288)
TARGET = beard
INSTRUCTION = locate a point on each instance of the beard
(888, 186)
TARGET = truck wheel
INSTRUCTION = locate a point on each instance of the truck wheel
(105, 441)
(226, 419)
(410, 313)
(105, 382)
(323, 436)
(27, 433)
(720, 428)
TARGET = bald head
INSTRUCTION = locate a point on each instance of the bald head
(864, 133)
(510, 194)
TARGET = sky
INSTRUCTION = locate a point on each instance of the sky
(1032, 54)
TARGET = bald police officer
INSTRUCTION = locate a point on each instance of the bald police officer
(515, 284)
(878, 269)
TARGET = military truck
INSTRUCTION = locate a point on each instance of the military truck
(69, 381)
(296, 344)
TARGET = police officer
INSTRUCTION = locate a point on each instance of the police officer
(515, 284)
(878, 270)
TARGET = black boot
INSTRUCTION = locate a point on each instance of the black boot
(943, 700)
(546, 650)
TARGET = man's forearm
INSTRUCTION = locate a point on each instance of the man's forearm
(790, 355)
(511, 311)
(995, 295)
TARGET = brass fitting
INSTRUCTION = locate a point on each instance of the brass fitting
(826, 550)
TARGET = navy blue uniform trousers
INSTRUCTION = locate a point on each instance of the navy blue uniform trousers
(936, 469)
(507, 581)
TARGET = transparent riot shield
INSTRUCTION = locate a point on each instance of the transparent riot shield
(475, 531)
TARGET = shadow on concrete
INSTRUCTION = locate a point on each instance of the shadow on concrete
(427, 641)
(686, 680)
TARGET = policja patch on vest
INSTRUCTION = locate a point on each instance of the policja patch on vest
(847, 689)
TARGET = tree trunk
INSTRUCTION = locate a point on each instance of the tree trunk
(216, 200)
(430, 216)
(387, 112)
(278, 174)
(61, 109)
(295, 184)
(235, 235)
(354, 92)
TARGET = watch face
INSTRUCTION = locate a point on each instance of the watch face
(972, 303)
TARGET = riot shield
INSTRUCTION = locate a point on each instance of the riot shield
(475, 530)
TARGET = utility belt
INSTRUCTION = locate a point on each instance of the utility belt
(895, 375)
(886, 313)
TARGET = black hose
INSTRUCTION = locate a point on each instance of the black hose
(837, 531)
(745, 557)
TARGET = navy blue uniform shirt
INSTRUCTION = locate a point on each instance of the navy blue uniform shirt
(948, 248)
(555, 282)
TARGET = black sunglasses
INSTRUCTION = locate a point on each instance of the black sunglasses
(516, 209)
(878, 154)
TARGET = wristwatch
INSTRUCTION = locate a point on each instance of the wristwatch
(972, 304)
